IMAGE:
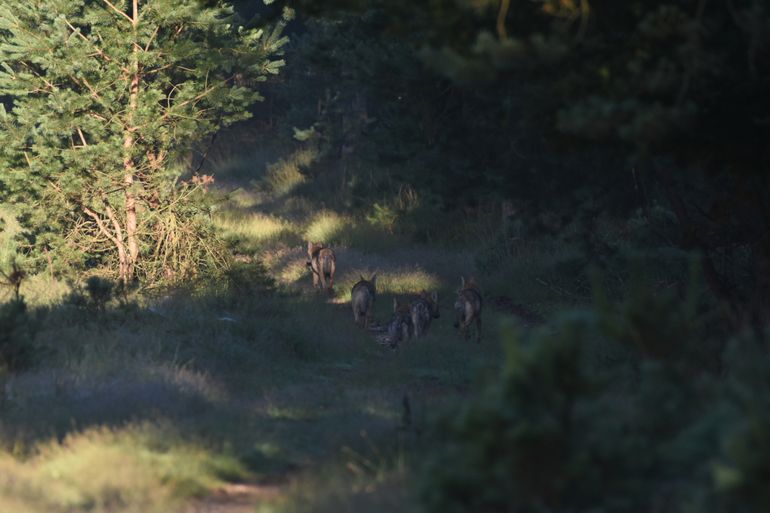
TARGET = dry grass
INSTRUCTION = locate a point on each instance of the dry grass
(391, 281)
(255, 228)
(327, 227)
(286, 174)
(138, 468)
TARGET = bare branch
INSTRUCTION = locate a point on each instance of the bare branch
(126, 16)
(152, 38)
(82, 137)
(100, 223)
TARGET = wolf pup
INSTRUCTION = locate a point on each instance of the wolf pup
(400, 325)
(322, 263)
(362, 298)
(468, 308)
(424, 309)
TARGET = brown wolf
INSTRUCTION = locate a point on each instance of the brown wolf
(362, 299)
(424, 309)
(468, 308)
(322, 263)
(400, 325)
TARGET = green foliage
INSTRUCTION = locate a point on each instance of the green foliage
(611, 409)
(104, 102)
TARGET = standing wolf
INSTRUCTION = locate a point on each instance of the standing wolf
(424, 309)
(322, 263)
(468, 308)
(362, 299)
(400, 326)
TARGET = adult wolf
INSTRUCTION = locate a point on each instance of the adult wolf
(362, 298)
(322, 262)
(423, 310)
(468, 308)
(400, 326)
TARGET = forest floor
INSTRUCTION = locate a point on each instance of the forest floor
(265, 397)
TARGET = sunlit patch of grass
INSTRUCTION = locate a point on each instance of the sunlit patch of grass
(243, 199)
(327, 227)
(399, 281)
(286, 264)
(39, 289)
(286, 174)
(253, 228)
(137, 468)
(294, 272)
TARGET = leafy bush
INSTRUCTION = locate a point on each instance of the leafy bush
(621, 409)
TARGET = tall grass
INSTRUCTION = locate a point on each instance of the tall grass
(328, 227)
(368, 479)
(286, 174)
(254, 229)
(136, 468)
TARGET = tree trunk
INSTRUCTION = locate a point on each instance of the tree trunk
(128, 160)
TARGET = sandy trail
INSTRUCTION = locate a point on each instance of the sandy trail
(235, 498)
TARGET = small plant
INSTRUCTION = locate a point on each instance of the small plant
(100, 292)
(16, 333)
(94, 295)
(13, 278)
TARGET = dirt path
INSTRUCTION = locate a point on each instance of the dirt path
(235, 498)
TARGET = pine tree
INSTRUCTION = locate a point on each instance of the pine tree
(105, 99)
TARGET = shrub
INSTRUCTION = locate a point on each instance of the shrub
(611, 409)
(16, 334)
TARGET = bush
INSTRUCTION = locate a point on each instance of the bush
(611, 409)
(16, 334)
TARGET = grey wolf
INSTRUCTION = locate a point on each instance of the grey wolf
(468, 308)
(362, 298)
(400, 326)
(423, 310)
(323, 263)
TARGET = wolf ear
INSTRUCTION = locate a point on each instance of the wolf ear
(309, 245)
(462, 281)
(373, 279)
(395, 304)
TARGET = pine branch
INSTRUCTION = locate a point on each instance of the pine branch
(129, 18)
(99, 51)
